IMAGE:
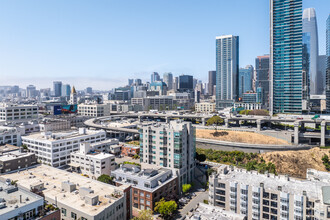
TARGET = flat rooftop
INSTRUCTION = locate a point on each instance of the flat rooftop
(209, 212)
(54, 136)
(53, 178)
(144, 174)
(7, 148)
(12, 199)
(289, 185)
(14, 155)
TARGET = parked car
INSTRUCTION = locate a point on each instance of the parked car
(290, 129)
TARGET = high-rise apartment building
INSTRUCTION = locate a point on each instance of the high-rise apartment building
(170, 145)
(168, 79)
(328, 63)
(212, 81)
(130, 82)
(57, 87)
(286, 78)
(262, 78)
(227, 62)
(89, 90)
(245, 80)
(154, 77)
(310, 41)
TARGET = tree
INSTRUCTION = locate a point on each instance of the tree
(144, 215)
(186, 187)
(166, 208)
(200, 157)
(215, 120)
(105, 179)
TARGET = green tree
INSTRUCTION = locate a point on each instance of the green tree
(105, 179)
(186, 187)
(215, 120)
(166, 208)
(144, 215)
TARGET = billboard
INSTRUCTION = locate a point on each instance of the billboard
(69, 109)
(65, 109)
(57, 109)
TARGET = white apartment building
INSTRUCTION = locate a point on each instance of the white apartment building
(17, 113)
(267, 196)
(10, 135)
(55, 148)
(18, 203)
(76, 196)
(94, 110)
(205, 107)
(91, 161)
(170, 145)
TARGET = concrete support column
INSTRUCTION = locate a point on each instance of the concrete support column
(323, 129)
(296, 132)
(302, 126)
(226, 123)
(237, 122)
(167, 119)
(203, 122)
(140, 118)
(258, 125)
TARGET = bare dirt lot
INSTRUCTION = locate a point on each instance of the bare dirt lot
(240, 136)
(295, 163)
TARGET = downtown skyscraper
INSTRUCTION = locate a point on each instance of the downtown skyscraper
(286, 78)
(311, 52)
(227, 62)
(262, 79)
(328, 63)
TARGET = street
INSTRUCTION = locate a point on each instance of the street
(200, 197)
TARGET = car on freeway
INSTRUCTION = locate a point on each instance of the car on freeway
(290, 129)
(277, 129)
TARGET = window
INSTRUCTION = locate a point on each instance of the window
(73, 215)
(63, 211)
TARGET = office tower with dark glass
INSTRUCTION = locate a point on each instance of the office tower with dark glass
(155, 77)
(227, 54)
(168, 79)
(286, 56)
(310, 37)
(262, 79)
(245, 80)
(186, 83)
(57, 86)
(328, 63)
(212, 81)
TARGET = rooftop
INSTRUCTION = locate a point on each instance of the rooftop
(153, 176)
(12, 197)
(7, 148)
(53, 179)
(208, 212)
(312, 188)
(54, 136)
(13, 155)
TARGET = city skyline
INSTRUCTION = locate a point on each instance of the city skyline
(68, 41)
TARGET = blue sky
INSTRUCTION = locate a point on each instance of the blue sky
(102, 43)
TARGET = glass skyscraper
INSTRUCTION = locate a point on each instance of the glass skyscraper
(286, 79)
(57, 86)
(227, 61)
(328, 63)
(245, 80)
(310, 41)
(262, 80)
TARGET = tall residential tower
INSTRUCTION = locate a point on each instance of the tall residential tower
(286, 56)
(227, 54)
